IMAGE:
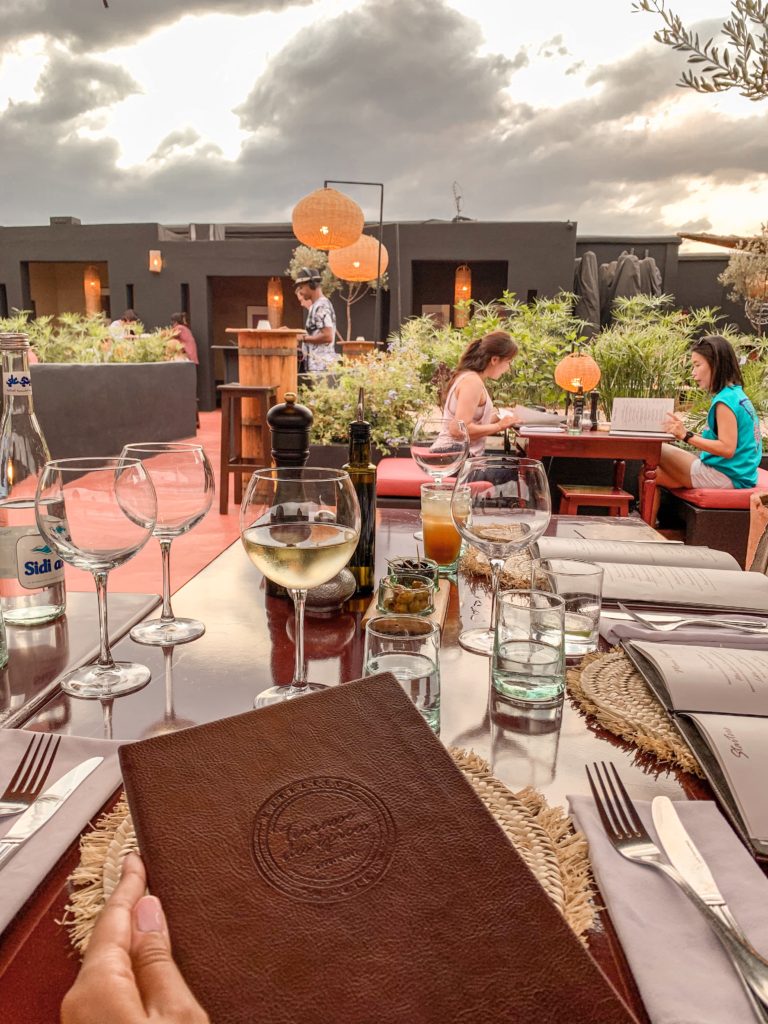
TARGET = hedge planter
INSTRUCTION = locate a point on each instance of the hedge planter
(94, 409)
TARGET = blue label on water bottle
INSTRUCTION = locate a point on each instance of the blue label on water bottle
(37, 564)
(17, 384)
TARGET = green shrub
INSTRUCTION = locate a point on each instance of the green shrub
(74, 338)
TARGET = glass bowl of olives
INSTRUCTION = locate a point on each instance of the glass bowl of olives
(406, 593)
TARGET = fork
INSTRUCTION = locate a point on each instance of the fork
(741, 625)
(630, 838)
(29, 778)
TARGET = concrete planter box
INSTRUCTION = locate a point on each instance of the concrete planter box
(94, 409)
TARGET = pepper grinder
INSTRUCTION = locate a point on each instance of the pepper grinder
(594, 400)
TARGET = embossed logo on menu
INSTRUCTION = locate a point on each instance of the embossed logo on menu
(323, 839)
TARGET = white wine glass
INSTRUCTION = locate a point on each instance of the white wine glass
(300, 527)
(183, 480)
(439, 445)
(96, 513)
(500, 504)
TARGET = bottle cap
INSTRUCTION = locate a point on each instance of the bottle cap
(13, 340)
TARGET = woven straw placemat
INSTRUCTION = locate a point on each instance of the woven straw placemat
(609, 687)
(542, 835)
(516, 574)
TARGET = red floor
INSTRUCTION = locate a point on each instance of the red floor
(189, 553)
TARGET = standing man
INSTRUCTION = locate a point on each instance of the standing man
(321, 322)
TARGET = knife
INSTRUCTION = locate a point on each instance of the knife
(684, 855)
(38, 813)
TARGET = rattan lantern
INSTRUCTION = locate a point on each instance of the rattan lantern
(275, 302)
(577, 370)
(462, 291)
(359, 261)
(327, 219)
(92, 290)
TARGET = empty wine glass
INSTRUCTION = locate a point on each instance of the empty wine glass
(96, 513)
(183, 480)
(439, 445)
(300, 527)
(500, 504)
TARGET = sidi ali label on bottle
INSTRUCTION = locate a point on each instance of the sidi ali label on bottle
(29, 559)
(17, 384)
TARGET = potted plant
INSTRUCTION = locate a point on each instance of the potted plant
(747, 277)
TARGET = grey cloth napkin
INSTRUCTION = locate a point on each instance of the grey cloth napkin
(26, 870)
(682, 972)
(613, 631)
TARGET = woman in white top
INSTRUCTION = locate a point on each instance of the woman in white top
(466, 396)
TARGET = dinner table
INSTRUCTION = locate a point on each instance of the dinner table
(248, 645)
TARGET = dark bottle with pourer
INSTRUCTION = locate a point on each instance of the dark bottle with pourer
(362, 473)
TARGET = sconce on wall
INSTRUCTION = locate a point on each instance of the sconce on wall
(275, 302)
(462, 291)
(155, 261)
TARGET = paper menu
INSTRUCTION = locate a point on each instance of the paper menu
(740, 747)
(661, 553)
(716, 680)
(680, 585)
(640, 415)
(608, 529)
(533, 416)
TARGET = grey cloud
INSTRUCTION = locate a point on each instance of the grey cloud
(184, 138)
(87, 25)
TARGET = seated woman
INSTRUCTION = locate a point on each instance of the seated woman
(466, 396)
(730, 446)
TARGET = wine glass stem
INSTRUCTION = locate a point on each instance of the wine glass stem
(167, 612)
(105, 657)
(497, 564)
(299, 672)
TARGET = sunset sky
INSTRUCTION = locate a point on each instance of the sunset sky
(230, 110)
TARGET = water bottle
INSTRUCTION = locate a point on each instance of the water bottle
(31, 574)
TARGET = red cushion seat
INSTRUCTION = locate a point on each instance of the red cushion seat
(400, 478)
(722, 497)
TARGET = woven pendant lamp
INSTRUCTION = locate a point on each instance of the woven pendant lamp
(462, 290)
(92, 290)
(359, 261)
(327, 219)
(275, 302)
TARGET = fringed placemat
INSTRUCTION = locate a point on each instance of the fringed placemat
(542, 835)
(609, 687)
(516, 574)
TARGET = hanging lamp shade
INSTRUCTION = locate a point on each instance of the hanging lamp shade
(577, 370)
(327, 219)
(92, 290)
(462, 291)
(275, 302)
(359, 261)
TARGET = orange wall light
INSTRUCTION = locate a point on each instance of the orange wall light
(92, 290)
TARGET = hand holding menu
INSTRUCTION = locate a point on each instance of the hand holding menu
(726, 589)
(651, 553)
(718, 698)
(641, 416)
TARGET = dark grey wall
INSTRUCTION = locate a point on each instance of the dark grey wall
(697, 285)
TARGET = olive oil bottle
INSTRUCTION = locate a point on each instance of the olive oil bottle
(362, 473)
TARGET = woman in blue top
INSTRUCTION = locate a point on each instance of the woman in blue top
(730, 445)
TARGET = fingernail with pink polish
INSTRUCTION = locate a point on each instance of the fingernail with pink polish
(149, 914)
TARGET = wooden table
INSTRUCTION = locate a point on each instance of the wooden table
(596, 444)
(247, 645)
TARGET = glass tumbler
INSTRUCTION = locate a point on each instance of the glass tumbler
(529, 649)
(407, 647)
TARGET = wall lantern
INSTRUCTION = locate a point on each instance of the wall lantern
(275, 302)
(92, 290)
(462, 291)
(359, 261)
(327, 219)
(155, 261)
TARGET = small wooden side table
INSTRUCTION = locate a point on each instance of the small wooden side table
(232, 396)
(575, 495)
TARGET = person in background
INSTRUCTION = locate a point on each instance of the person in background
(466, 396)
(729, 449)
(321, 322)
(125, 326)
(184, 336)
(128, 975)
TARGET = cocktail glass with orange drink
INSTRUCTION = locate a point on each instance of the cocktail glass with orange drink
(442, 541)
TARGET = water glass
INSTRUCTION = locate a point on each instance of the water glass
(580, 584)
(442, 541)
(529, 647)
(407, 647)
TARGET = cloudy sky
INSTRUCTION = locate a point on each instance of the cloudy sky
(230, 110)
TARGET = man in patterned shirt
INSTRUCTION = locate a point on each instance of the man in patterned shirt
(321, 323)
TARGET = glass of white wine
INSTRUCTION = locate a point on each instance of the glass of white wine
(300, 527)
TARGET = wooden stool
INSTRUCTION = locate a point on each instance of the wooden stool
(575, 495)
(232, 396)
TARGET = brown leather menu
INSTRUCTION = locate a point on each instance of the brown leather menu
(323, 861)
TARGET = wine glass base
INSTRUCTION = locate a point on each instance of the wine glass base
(97, 682)
(279, 694)
(157, 633)
(479, 641)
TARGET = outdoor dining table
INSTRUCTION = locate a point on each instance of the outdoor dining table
(248, 644)
(597, 444)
